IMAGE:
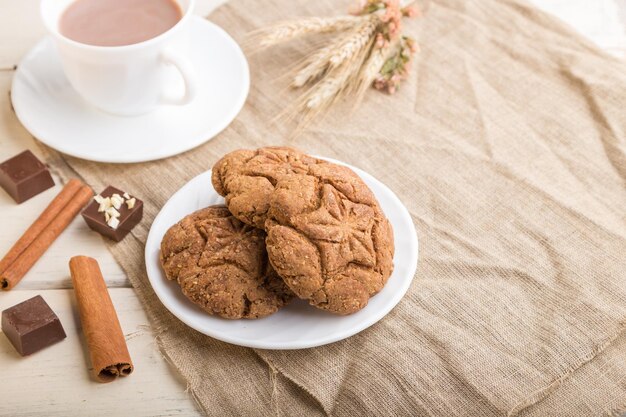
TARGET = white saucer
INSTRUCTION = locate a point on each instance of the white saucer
(55, 114)
(298, 325)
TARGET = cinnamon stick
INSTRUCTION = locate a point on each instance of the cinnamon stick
(107, 346)
(44, 219)
(14, 273)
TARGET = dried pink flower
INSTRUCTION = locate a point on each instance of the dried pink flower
(380, 41)
(397, 67)
(393, 26)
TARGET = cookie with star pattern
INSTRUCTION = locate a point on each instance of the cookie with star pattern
(328, 238)
(221, 265)
(246, 178)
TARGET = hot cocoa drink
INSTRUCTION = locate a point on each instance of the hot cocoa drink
(118, 22)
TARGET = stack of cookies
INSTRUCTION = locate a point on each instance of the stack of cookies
(293, 226)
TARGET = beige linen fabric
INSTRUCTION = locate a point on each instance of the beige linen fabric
(508, 147)
(597, 386)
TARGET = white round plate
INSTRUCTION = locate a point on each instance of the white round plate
(297, 325)
(55, 114)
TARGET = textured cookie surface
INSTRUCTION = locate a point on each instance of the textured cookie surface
(221, 265)
(246, 178)
(328, 238)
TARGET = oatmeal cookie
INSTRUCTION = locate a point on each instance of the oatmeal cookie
(221, 265)
(246, 178)
(328, 238)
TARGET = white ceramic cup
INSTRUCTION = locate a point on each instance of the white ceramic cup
(126, 80)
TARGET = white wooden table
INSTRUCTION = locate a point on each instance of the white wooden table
(56, 381)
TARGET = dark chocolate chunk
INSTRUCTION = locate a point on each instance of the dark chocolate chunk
(24, 176)
(128, 217)
(32, 326)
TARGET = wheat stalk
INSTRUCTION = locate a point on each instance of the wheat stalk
(290, 30)
(371, 68)
(355, 41)
(328, 89)
(320, 97)
(333, 55)
(338, 81)
(315, 65)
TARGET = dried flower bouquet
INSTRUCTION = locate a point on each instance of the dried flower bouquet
(366, 49)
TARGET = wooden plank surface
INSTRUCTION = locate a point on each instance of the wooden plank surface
(57, 381)
(51, 271)
(19, 29)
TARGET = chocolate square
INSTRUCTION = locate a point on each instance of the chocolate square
(24, 176)
(31, 326)
(128, 219)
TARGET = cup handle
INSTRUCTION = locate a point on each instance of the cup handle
(186, 70)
